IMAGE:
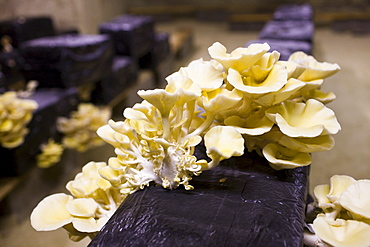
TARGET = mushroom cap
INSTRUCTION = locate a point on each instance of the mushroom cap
(342, 233)
(51, 213)
(356, 198)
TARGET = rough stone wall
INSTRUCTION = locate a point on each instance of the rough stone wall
(213, 2)
(92, 12)
(85, 15)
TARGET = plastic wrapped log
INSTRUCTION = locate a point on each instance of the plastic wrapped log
(123, 75)
(22, 29)
(67, 60)
(285, 47)
(294, 12)
(242, 202)
(133, 35)
(11, 63)
(159, 51)
(288, 30)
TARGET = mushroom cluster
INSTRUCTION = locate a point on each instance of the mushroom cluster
(15, 114)
(51, 153)
(345, 216)
(243, 100)
(92, 202)
(80, 129)
(282, 113)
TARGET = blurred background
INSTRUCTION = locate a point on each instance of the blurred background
(341, 35)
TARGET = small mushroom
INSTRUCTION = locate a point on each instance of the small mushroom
(280, 157)
(223, 142)
(314, 69)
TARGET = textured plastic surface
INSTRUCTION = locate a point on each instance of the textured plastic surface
(288, 30)
(3, 82)
(53, 103)
(133, 35)
(243, 202)
(285, 47)
(22, 29)
(158, 52)
(123, 75)
(11, 63)
(67, 60)
(294, 12)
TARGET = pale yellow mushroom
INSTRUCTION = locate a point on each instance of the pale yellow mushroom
(314, 69)
(338, 184)
(51, 213)
(82, 207)
(280, 157)
(51, 153)
(241, 58)
(89, 225)
(356, 199)
(80, 128)
(342, 233)
(309, 119)
(321, 194)
(15, 114)
(273, 98)
(202, 73)
(223, 142)
(308, 145)
(276, 79)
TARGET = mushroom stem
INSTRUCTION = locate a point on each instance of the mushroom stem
(207, 122)
(312, 240)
